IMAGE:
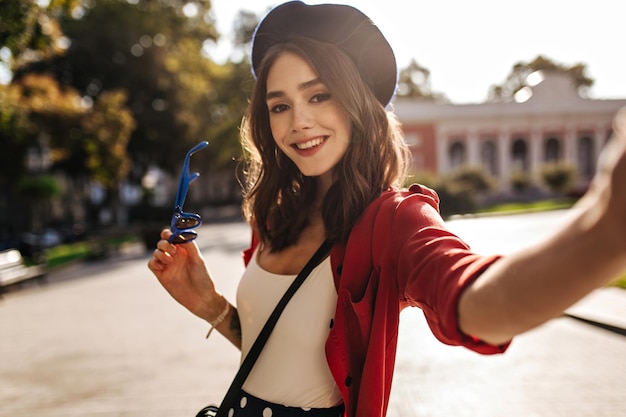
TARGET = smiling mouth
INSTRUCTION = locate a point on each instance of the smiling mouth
(309, 144)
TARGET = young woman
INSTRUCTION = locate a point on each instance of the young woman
(325, 162)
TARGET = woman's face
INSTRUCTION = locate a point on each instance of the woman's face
(307, 123)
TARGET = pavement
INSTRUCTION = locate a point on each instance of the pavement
(104, 339)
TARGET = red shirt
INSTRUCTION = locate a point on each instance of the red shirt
(398, 254)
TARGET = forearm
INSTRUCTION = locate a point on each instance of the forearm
(525, 289)
(228, 325)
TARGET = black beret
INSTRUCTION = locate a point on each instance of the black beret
(338, 24)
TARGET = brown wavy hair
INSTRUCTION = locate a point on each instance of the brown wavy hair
(276, 194)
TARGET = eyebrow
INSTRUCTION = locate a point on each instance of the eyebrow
(303, 86)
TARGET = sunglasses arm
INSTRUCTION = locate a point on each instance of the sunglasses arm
(186, 178)
(183, 185)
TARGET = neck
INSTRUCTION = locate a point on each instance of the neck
(324, 185)
(324, 182)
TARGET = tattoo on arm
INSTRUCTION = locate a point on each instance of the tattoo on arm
(235, 326)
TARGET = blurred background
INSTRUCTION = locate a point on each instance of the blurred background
(101, 99)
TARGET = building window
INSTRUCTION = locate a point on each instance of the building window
(519, 151)
(586, 159)
(489, 157)
(456, 155)
(552, 150)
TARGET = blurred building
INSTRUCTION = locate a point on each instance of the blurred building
(552, 123)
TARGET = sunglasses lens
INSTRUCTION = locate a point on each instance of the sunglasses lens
(183, 237)
(186, 222)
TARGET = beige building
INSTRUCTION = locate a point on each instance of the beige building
(550, 123)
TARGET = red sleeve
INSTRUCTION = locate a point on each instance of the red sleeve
(247, 253)
(434, 267)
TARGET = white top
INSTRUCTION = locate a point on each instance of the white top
(292, 368)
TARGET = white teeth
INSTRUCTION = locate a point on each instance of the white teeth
(310, 144)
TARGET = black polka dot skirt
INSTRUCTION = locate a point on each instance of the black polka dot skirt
(250, 406)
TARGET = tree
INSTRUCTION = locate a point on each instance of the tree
(520, 181)
(107, 130)
(518, 78)
(15, 132)
(33, 108)
(37, 103)
(126, 86)
(460, 191)
(86, 141)
(474, 178)
(150, 50)
(558, 176)
(414, 82)
(243, 27)
(231, 84)
(29, 31)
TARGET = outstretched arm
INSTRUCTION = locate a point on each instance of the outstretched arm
(183, 273)
(527, 288)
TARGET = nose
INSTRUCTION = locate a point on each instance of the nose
(302, 118)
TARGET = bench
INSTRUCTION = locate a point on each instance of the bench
(13, 270)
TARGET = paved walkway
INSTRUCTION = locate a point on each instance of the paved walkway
(105, 340)
(564, 368)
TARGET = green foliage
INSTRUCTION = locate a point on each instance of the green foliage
(152, 51)
(460, 191)
(42, 187)
(473, 178)
(18, 20)
(244, 26)
(31, 32)
(517, 79)
(64, 254)
(520, 181)
(559, 177)
(118, 86)
(456, 199)
(620, 282)
(106, 132)
(414, 82)
(213, 99)
(137, 49)
(15, 126)
(85, 141)
(114, 87)
(532, 206)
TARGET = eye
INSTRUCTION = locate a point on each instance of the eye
(321, 97)
(278, 108)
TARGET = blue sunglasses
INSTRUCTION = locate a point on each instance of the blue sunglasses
(182, 223)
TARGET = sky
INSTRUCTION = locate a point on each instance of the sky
(470, 45)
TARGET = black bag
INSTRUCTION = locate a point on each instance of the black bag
(255, 350)
(208, 411)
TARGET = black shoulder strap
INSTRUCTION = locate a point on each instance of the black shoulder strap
(256, 348)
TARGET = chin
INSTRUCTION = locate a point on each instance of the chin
(313, 172)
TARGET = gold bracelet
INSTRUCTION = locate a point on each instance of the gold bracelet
(219, 319)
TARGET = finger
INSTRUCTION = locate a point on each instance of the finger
(167, 247)
(155, 265)
(165, 234)
(163, 257)
(193, 251)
